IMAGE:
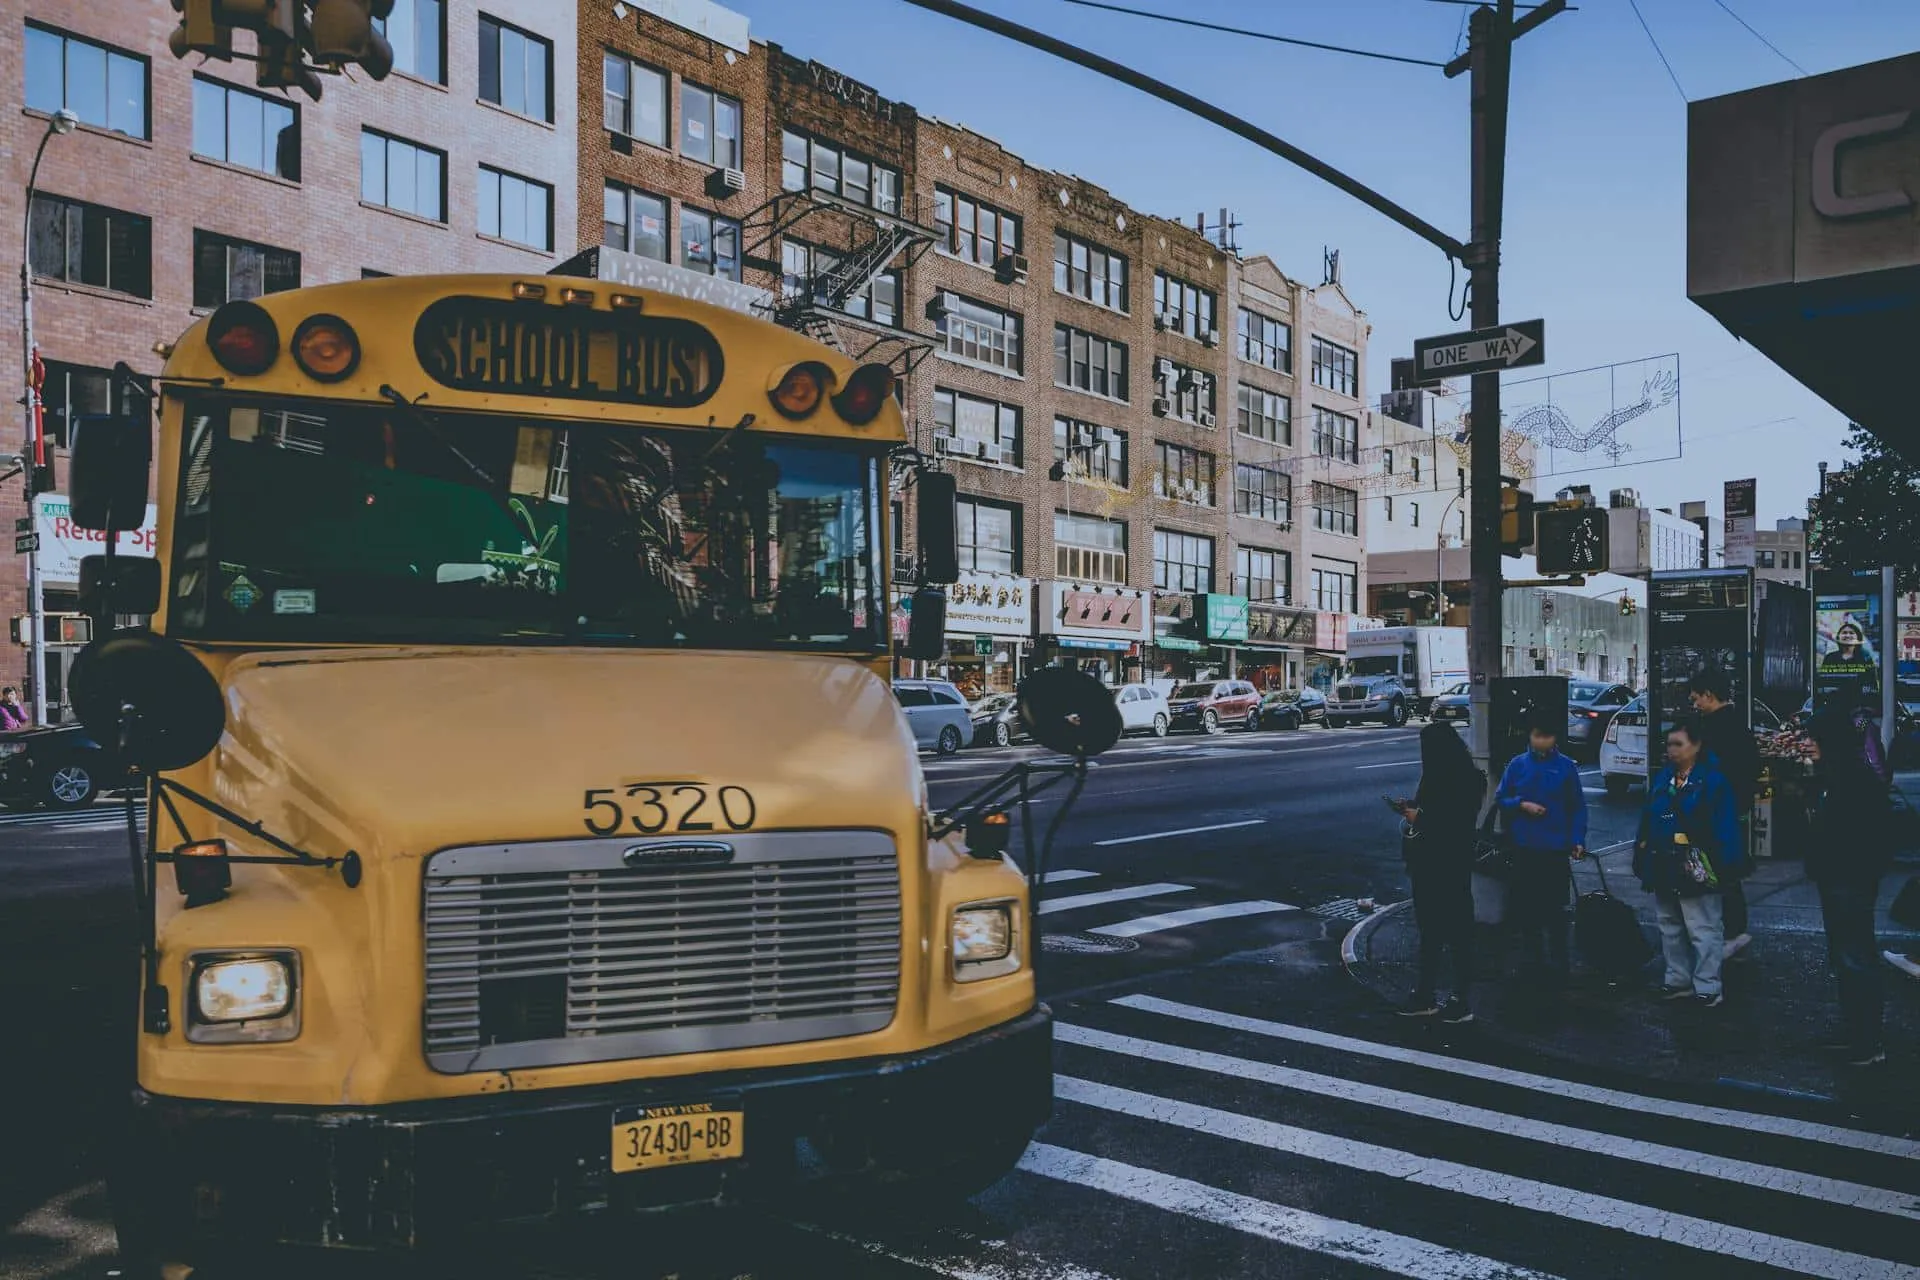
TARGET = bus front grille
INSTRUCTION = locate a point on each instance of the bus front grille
(591, 950)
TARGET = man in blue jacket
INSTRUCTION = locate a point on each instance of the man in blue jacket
(1545, 811)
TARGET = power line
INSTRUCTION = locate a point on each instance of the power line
(1657, 49)
(1258, 35)
(1762, 39)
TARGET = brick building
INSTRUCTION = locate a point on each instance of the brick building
(184, 186)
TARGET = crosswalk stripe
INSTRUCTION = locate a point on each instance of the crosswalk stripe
(1401, 1255)
(1748, 1121)
(1660, 1156)
(1074, 901)
(1486, 1184)
(1192, 915)
(1057, 877)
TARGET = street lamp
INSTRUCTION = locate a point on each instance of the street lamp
(1440, 562)
(34, 454)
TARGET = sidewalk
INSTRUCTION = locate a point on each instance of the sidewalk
(1780, 1002)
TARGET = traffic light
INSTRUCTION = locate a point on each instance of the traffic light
(342, 31)
(203, 28)
(283, 63)
(1628, 606)
(1571, 538)
(1516, 520)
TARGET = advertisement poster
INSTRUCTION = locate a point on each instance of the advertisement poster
(1699, 620)
(1847, 620)
(1783, 666)
(63, 544)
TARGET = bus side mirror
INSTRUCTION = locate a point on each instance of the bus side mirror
(107, 473)
(124, 584)
(937, 527)
(149, 697)
(927, 625)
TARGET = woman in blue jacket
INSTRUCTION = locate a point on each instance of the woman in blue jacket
(1690, 798)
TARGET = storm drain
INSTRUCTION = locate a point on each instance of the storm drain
(1086, 944)
(1351, 910)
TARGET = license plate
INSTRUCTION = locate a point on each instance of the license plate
(1631, 760)
(689, 1133)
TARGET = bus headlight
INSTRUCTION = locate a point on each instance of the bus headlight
(242, 996)
(983, 941)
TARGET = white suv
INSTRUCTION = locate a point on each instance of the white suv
(936, 712)
(1143, 709)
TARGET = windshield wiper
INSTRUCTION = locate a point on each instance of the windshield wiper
(439, 434)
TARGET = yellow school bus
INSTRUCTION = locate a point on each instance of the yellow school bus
(563, 847)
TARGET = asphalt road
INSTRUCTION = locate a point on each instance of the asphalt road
(1229, 1102)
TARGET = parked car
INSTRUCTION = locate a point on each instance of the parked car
(1293, 708)
(1210, 705)
(1455, 704)
(1623, 748)
(996, 720)
(937, 713)
(58, 768)
(1379, 698)
(1143, 709)
(1591, 707)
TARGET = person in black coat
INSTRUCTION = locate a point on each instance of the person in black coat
(1849, 850)
(1728, 738)
(1438, 845)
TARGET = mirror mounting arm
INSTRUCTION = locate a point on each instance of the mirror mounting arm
(167, 788)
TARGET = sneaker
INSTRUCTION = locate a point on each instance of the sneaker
(1734, 945)
(1675, 993)
(1423, 1007)
(1713, 1001)
(1456, 1013)
(1867, 1057)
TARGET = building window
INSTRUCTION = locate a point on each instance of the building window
(1089, 362)
(1387, 509)
(1085, 270)
(1265, 415)
(1335, 368)
(1265, 493)
(989, 536)
(1264, 576)
(1763, 559)
(709, 243)
(516, 208)
(973, 229)
(1266, 342)
(1337, 435)
(879, 302)
(1087, 451)
(103, 86)
(635, 221)
(1336, 587)
(1182, 561)
(805, 267)
(246, 129)
(709, 127)
(1183, 474)
(970, 427)
(1415, 460)
(1179, 307)
(979, 334)
(1089, 549)
(1336, 510)
(516, 68)
(417, 30)
(368, 273)
(633, 99)
(1386, 461)
(225, 269)
(810, 163)
(397, 174)
(90, 244)
(73, 389)
(1413, 514)
(1189, 392)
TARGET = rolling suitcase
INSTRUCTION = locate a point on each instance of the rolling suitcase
(1607, 932)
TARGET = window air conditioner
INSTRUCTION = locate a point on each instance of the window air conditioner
(1010, 268)
(1162, 321)
(1207, 419)
(722, 183)
(1211, 337)
(943, 444)
(1162, 406)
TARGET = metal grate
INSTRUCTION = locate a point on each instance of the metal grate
(587, 951)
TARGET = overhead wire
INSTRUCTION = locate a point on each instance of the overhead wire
(1257, 35)
(1728, 9)
(1635, 5)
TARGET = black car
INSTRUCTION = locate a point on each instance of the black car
(996, 720)
(59, 768)
(1292, 708)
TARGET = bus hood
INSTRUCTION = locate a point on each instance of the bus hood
(405, 752)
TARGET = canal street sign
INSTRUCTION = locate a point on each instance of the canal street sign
(1504, 346)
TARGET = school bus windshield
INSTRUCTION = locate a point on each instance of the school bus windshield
(334, 523)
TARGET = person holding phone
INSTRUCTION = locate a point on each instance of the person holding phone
(1438, 846)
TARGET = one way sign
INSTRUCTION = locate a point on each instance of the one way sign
(1507, 346)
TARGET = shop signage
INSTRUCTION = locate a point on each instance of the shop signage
(1330, 632)
(62, 544)
(1226, 616)
(1909, 647)
(1280, 626)
(989, 604)
(1909, 605)
(1111, 613)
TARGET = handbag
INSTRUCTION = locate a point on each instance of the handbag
(1492, 853)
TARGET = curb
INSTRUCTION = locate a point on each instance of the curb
(1352, 947)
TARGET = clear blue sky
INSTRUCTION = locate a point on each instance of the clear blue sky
(1596, 197)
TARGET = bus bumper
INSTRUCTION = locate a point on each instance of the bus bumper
(426, 1173)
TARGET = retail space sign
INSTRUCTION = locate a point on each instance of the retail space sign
(1740, 505)
(990, 604)
(62, 545)
(1225, 617)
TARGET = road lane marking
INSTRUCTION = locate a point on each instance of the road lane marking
(1391, 764)
(1569, 1203)
(1183, 831)
(1051, 905)
(1660, 1156)
(1645, 1104)
(1192, 915)
(1297, 1228)
(1056, 877)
